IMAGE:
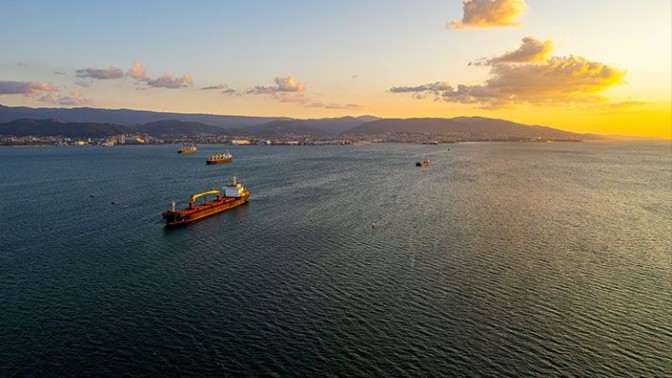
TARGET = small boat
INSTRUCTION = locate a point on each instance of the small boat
(423, 163)
(235, 194)
(187, 149)
(224, 157)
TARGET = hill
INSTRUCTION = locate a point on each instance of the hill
(126, 117)
(464, 128)
(176, 128)
(107, 122)
(49, 127)
(324, 127)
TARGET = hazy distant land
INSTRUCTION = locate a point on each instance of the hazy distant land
(102, 123)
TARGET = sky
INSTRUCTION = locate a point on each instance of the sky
(601, 66)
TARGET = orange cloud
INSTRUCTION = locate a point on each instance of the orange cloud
(289, 84)
(528, 75)
(489, 13)
(284, 84)
(531, 50)
(137, 71)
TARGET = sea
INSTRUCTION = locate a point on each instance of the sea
(498, 260)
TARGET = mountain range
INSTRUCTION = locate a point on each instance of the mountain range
(97, 123)
(465, 128)
(126, 117)
(50, 128)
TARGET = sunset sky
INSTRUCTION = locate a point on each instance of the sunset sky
(602, 66)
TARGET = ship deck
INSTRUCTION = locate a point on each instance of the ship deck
(206, 206)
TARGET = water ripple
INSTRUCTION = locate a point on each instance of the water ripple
(497, 260)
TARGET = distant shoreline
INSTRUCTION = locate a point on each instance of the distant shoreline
(175, 143)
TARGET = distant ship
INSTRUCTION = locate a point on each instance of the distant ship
(220, 158)
(423, 163)
(235, 194)
(430, 142)
(187, 149)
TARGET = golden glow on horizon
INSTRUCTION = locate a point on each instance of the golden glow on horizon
(643, 120)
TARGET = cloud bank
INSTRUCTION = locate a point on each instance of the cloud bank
(74, 99)
(288, 90)
(489, 13)
(528, 75)
(224, 88)
(215, 87)
(138, 72)
(308, 102)
(100, 73)
(436, 88)
(170, 81)
(26, 88)
(45, 91)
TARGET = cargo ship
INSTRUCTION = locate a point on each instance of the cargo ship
(220, 158)
(423, 163)
(187, 149)
(235, 194)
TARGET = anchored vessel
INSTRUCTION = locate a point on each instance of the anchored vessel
(235, 194)
(423, 163)
(220, 158)
(187, 149)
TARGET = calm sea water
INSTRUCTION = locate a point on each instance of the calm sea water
(499, 259)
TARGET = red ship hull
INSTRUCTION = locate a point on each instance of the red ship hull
(206, 209)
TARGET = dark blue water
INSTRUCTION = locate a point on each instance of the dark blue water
(499, 259)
